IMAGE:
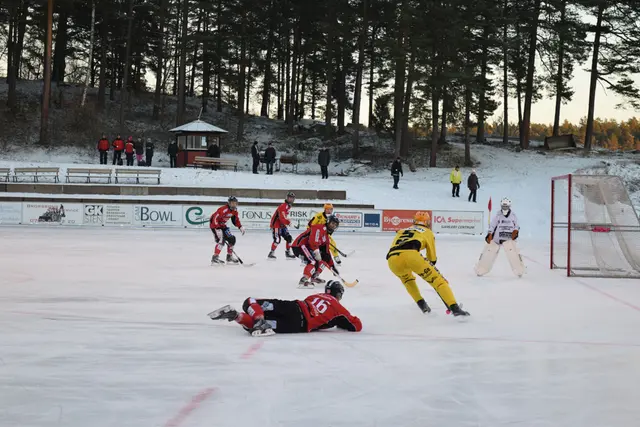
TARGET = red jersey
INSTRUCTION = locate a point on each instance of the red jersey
(220, 218)
(128, 148)
(118, 145)
(324, 311)
(280, 218)
(103, 145)
(314, 237)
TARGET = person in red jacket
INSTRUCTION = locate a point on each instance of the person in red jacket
(118, 148)
(103, 149)
(264, 317)
(129, 149)
(313, 248)
(222, 234)
(279, 227)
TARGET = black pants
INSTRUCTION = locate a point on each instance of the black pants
(129, 159)
(455, 191)
(325, 172)
(172, 160)
(396, 180)
(117, 155)
(149, 158)
(256, 163)
(270, 168)
(472, 194)
(103, 157)
(284, 316)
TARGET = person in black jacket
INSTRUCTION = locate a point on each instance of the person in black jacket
(324, 158)
(270, 158)
(396, 171)
(255, 156)
(173, 153)
(214, 151)
(473, 183)
(148, 151)
(139, 147)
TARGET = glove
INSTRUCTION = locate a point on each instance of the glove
(489, 238)
(337, 259)
(434, 262)
(316, 255)
(514, 234)
(242, 230)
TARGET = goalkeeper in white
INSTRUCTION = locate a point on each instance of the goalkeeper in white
(503, 232)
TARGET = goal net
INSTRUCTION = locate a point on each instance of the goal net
(595, 230)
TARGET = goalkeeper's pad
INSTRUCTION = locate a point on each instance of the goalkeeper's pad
(514, 257)
(487, 258)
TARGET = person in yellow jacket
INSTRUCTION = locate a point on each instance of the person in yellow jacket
(321, 218)
(456, 179)
(405, 257)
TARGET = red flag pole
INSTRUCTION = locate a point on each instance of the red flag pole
(489, 216)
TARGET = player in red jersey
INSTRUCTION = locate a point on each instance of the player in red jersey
(222, 234)
(313, 248)
(279, 227)
(263, 317)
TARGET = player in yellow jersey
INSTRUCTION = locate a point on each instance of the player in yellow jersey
(321, 218)
(405, 258)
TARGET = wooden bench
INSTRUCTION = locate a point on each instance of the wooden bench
(137, 173)
(4, 173)
(88, 174)
(215, 161)
(290, 160)
(37, 173)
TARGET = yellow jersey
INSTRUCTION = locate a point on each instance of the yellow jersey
(415, 238)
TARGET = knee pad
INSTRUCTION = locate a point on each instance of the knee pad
(288, 238)
(231, 240)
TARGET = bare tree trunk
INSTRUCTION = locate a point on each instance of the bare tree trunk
(358, 89)
(594, 79)
(194, 63)
(157, 96)
(400, 70)
(248, 97)
(482, 102)
(241, 79)
(528, 96)
(505, 78)
(467, 126)
(46, 89)
(341, 92)
(434, 128)
(206, 67)
(560, 72)
(12, 73)
(371, 75)
(102, 86)
(182, 71)
(268, 71)
(314, 82)
(303, 86)
(443, 117)
(404, 148)
(219, 57)
(86, 79)
(114, 61)
(287, 78)
(294, 82)
(124, 92)
(60, 53)
(329, 70)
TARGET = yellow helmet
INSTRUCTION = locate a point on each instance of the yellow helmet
(422, 218)
(328, 206)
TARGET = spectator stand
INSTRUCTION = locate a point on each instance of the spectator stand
(193, 139)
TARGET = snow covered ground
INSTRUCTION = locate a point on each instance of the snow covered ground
(108, 327)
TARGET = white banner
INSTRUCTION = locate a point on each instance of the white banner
(157, 215)
(258, 217)
(457, 222)
(197, 216)
(10, 213)
(107, 215)
(349, 220)
(52, 213)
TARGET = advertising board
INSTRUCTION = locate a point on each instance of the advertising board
(457, 222)
(157, 215)
(107, 215)
(394, 220)
(10, 213)
(52, 213)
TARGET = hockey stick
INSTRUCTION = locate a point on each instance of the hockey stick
(297, 227)
(242, 262)
(342, 254)
(344, 282)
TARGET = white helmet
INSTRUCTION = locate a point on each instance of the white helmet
(505, 205)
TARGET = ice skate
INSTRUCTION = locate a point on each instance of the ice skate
(305, 283)
(316, 280)
(232, 260)
(424, 306)
(261, 328)
(226, 312)
(272, 256)
(289, 255)
(215, 260)
(457, 311)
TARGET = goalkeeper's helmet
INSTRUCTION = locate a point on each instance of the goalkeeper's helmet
(505, 205)
(328, 207)
(422, 218)
(332, 223)
(334, 288)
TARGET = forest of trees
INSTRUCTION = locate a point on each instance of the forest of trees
(428, 64)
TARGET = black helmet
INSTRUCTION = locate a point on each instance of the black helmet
(232, 199)
(291, 194)
(334, 288)
(332, 219)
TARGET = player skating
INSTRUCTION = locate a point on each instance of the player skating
(264, 317)
(280, 227)
(404, 258)
(503, 231)
(321, 218)
(312, 247)
(222, 233)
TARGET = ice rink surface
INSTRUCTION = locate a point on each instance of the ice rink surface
(109, 327)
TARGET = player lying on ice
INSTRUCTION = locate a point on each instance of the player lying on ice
(321, 218)
(280, 227)
(221, 232)
(503, 232)
(263, 317)
(404, 258)
(312, 247)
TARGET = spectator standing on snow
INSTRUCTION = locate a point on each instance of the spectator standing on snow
(139, 146)
(129, 150)
(474, 184)
(255, 156)
(324, 158)
(148, 150)
(103, 149)
(396, 171)
(118, 148)
(456, 178)
(173, 153)
(213, 151)
(270, 158)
